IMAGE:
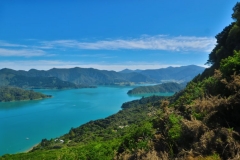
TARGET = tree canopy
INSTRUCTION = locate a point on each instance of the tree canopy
(236, 12)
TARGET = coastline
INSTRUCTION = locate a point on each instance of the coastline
(78, 99)
(48, 96)
(28, 150)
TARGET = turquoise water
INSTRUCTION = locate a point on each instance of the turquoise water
(24, 124)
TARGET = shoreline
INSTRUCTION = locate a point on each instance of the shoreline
(48, 96)
(28, 150)
(124, 96)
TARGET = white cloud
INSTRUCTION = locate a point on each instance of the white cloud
(167, 43)
(21, 52)
(46, 65)
(6, 44)
(159, 42)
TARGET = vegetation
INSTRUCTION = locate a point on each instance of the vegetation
(165, 87)
(200, 122)
(11, 78)
(8, 94)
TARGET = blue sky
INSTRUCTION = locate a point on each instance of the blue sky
(109, 34)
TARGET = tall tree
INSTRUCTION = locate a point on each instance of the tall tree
(236, 12)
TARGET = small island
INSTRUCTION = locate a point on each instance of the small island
(163, 88)
(8, 94)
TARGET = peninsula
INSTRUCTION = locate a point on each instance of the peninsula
(8, 94)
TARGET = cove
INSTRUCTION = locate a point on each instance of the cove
(24, 124)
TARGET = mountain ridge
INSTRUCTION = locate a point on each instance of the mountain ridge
(91, 76)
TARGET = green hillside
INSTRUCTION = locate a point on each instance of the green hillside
(8, 94)
(10, 77)
(165, 87)
(201, 122)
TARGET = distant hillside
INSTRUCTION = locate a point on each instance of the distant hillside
(183, 73)
(165, 87)
(13, 78)
(126, 71)
(90, 76)
(8, 94)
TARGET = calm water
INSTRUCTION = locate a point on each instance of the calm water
(24, 124)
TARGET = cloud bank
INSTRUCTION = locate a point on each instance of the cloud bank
(160, 42)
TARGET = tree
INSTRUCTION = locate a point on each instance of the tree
(236, 12)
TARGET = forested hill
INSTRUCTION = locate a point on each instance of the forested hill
(201, 122)
(90, 76)
(13, 78)
(8, 94)
(165, 87)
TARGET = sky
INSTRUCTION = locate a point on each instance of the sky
(109, 34)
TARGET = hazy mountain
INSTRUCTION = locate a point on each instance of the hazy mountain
(126, 71)
(183, 73)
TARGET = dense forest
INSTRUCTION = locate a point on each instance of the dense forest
(8, 94)
(200, 122)
(165, 87)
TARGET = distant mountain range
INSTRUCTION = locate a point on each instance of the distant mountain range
(83, 77)
(183, 73)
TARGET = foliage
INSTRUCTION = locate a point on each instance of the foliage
(93, 150)
(175, 129)
(236, 12)
(138, 137)
(191, 92)
(142, 101)
(231, 64)
(211, 157)
(220, 50)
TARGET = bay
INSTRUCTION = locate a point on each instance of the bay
(24, 124)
